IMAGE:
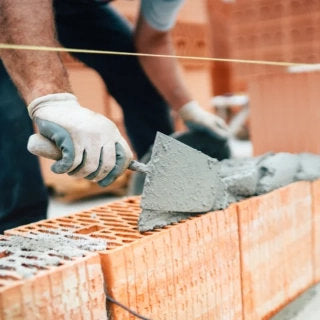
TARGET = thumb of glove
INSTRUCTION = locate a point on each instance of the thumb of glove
(43, 147)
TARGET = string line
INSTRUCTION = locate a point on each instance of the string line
(7, 46)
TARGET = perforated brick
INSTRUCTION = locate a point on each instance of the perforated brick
(245, 262)
(71, 289)
(187, 270)
(276, 249)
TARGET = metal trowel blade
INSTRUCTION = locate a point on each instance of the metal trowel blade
(180, 180)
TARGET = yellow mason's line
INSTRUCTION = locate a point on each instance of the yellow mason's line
(60, 49)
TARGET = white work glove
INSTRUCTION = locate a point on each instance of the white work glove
(197, 118)
(91, 145)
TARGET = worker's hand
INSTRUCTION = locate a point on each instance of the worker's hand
(91, 145)
(198, 119)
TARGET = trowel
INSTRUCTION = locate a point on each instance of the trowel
(180, 181)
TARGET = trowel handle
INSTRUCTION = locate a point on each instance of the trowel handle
(138, 166)
(41, 146)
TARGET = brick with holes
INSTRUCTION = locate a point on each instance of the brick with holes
(44, 284)
(187, 270)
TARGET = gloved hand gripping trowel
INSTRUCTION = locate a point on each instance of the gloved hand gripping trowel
(180, 180)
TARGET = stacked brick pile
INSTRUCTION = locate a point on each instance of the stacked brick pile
(272, 30)
(244, 262)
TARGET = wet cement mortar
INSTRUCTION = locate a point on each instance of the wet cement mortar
(31, 253)
(230, 180)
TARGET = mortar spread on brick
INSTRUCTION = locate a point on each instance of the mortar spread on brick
(231, 180)
(253, 176)
(26, 255)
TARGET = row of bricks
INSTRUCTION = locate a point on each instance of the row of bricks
(244, 11)
(246, 74)
(294, 52)
(303, 52)
(241, 263)
(263, 40)
(272, 30)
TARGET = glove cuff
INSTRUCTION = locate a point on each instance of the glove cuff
(189, 110)
(49, 98)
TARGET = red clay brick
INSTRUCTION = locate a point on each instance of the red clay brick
(276, 248)
(316, 228)
(60, 292)
(189, 270)
(269, 30)
(192, 270)
(175, 274)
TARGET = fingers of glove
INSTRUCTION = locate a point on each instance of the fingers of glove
(224, 133)
(79, 161)
(220, 123)
(120, 166)
(95, 173)
(90, 164)
(63, 141)
(217, 125)
(220, 127)
(128, 155)
(107, 161)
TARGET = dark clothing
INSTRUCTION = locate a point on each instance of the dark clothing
(23, 197)
(86, 25)
(98, 26)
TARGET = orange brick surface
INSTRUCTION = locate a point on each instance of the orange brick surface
(284, 114)
(316, 229)
(73, 290)
(276, 248)
(245, 262)
(189, 270)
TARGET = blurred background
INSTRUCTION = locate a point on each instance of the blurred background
(268, 107)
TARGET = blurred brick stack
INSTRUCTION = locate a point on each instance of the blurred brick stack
(272, 30)
(284, 112)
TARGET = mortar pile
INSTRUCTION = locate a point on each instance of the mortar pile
(245, 178)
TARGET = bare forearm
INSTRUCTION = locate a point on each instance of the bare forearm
(35, 73)
(165, 73)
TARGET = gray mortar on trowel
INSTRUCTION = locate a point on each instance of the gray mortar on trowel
(243, 178)
(169, 193)
(28, 254)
